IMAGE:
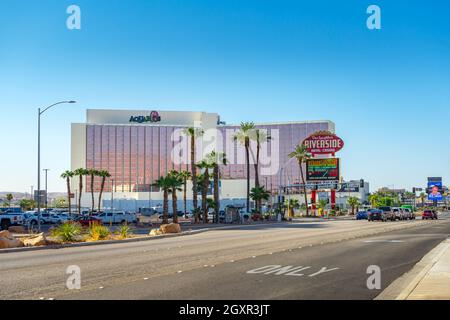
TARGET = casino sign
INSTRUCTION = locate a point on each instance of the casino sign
(153, 117)
(323, 142)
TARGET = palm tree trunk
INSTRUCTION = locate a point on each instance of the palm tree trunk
(257, 203)
(174, 206)
(68, 195)
(165, 207)
(194, 176)
(247, 158)
(80, 186)
(216, 193)
(92, 193)
(204, 196)
(184, 196)
(304, 187)
(102, 187)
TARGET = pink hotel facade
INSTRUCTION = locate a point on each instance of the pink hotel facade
(139, 146)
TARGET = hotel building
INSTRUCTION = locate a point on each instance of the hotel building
(139, 146)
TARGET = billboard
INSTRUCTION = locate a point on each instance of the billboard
(323, 142)
(434, 189)
(322, 169)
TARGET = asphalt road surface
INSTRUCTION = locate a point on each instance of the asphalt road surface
(319, 260)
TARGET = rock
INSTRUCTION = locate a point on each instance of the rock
(6, 234)
(10, 243)
(170, 228)
(155, 232)
(38, 240)
(17, 229)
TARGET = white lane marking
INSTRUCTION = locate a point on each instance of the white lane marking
(288, 270)
(323, 270)
(387, 241)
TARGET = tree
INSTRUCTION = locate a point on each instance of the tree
(92, 173)
(353, 202)
(422, 197)
(217, 159)
(80, 172)
(292, 204)
(164, 184)
(104, 174)
(258, 194)
(27, 204)
(175, 181)
(185, 175)
(321, 205)
(243, 137)
(259, 136)
(68, 175)
(205, 165)
(374, 200)
(9, 198)
(193, 133)
(301, 154)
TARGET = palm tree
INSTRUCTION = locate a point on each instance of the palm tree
(185, 175)
(258, 194)
(193, 133)
(68, 175)
(80, 172)
(217, 159)
(243, 137)
(92, 173)
(260, 136)
(422, 197)
(374, 200)
(205, 165)
(175, 181)
(301, 154)
(321, 205)
(104, 174)
(164, 184)
(353, 202)
(9, 198)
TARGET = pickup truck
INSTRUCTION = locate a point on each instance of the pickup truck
(9, 218)
(121, 217)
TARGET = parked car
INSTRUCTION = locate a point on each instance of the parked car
(362, 215)
(85, 221)
(121, 217)
(388, 213)
(376, 214)
(30, 219)
(429, 214)
(180, 214)
(8, 218)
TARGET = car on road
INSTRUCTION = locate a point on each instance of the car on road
(388, 213)
(398, 213)
(361, 215)
(409, 214)
(429, 214)
(376, 214)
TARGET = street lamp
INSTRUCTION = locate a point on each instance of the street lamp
(40, 112)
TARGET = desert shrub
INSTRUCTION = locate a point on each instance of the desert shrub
(98, 232)
(67, 232)
(124, 231)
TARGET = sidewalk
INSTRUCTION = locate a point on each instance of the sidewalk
(428, 280)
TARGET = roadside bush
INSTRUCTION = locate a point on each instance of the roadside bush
(124, 231)
(67, 232)
(98, 232)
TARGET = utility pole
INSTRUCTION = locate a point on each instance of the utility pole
(46, 188)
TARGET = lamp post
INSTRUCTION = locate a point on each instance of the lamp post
(40, 112)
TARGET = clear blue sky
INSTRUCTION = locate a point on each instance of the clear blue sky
(388, 91)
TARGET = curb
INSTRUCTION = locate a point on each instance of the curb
(139, 239)
(402, 287)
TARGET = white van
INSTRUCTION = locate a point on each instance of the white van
(121, 217)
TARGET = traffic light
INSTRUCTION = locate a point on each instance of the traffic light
(361, 183)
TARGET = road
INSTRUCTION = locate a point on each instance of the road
(309, 260)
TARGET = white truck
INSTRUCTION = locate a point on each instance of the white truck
(114, 217)
(9, 218)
